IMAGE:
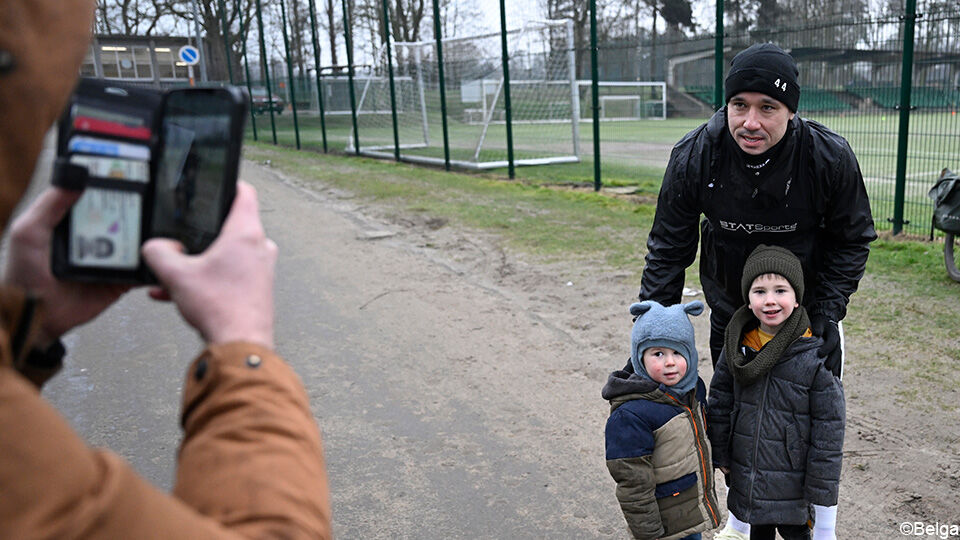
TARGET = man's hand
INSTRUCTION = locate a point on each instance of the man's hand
(826, 329)
(226, 292)
(65, 304)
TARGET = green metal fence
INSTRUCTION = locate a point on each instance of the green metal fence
(889, 83)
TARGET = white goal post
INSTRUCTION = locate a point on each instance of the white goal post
(629, 100)
(543, 89)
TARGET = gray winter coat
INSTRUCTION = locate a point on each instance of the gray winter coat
(781, 437)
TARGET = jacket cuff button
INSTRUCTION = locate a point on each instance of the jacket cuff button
(7, 63)
(254, 361)
(201, 370)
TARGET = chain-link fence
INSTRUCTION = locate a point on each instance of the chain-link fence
(452, 101)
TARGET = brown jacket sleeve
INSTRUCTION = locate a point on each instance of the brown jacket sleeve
(251, 456)
(251, 464)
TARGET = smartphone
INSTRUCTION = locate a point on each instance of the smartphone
(158, 164)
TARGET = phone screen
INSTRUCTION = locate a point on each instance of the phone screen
(192, 170)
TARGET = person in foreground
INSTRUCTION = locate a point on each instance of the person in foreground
(775, 414)
(761, 174)
(656, 443)
(251, 461)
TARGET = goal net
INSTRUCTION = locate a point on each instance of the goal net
(544, 102)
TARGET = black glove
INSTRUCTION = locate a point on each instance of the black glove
(822, 326)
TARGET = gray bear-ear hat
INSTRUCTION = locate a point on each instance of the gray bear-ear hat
(658, 326)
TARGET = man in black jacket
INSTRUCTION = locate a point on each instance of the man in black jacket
(760, 174)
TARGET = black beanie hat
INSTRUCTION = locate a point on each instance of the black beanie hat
(772, 260)
(767, 69)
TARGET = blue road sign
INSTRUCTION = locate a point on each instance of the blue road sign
(189, 55)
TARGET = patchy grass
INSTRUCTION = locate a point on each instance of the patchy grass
(548, 223)
(646, 178)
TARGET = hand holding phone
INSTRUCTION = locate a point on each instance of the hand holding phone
(28, 267)
(226, 292)
(158, 164)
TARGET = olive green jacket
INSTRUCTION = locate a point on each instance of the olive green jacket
(657, 451)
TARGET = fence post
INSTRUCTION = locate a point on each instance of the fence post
(246, 66)
(718, 59)
(225, 30)
(293, 93)
(393, 92)
(353, 98)
(316, 64)
(266, 73)
(906, 81)
(443, 84)
(595, 90)
(506, 87)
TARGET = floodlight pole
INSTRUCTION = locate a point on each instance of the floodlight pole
(196, 29)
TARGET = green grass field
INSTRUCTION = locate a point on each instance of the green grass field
(934, 143)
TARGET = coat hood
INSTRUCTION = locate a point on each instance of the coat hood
(37, 74)
(622, 383)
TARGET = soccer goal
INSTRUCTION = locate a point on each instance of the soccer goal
(628, 100)
(544, 100)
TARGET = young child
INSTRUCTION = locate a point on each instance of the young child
(776, 414)
(657, 448)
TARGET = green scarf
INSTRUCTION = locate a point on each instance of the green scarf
(747, 372)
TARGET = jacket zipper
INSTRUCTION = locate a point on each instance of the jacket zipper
(756, 444)
(703, 460)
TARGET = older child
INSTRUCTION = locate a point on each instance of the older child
(776, 413)
(657, 449)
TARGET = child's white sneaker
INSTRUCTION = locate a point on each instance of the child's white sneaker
(729, 533)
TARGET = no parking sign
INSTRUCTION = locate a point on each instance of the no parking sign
(189, 55)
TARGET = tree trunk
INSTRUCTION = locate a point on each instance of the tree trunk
(332, 31)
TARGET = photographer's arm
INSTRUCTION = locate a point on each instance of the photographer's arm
(251, 457)
(251, 464)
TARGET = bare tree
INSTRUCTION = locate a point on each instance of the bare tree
(210, 21)
(332, 29)
(299, 24)
(129, 17)
(459, 17)
(406, 16)
(579, 12)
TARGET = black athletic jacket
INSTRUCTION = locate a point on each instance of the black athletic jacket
(813, 203)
